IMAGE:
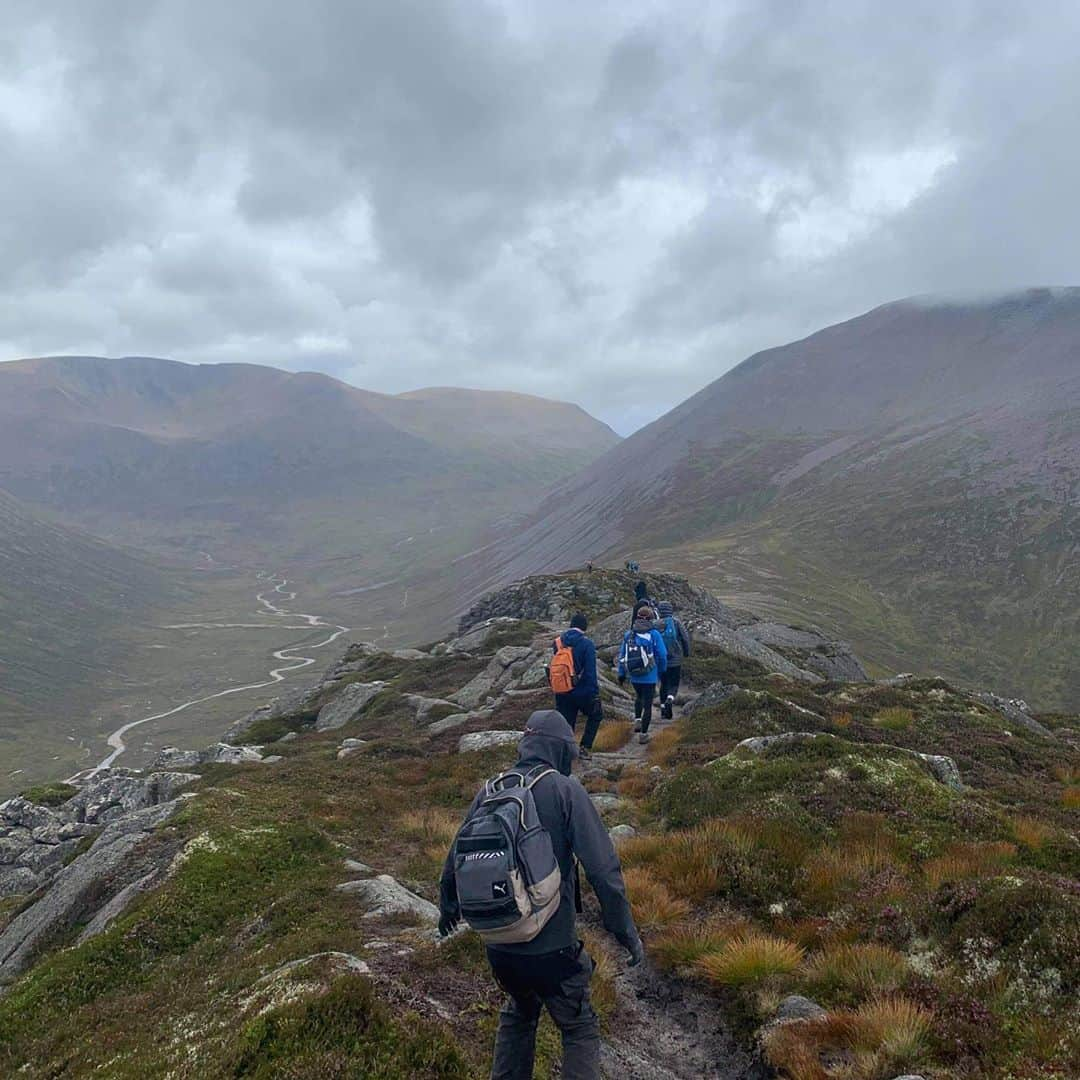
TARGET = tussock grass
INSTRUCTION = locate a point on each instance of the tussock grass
(961, 862)
(653, 904)
(895, 718)
(664, 742)
(852, 972)
(694, 863)
(884, 1037)
(841, 721)
(751, 958)
(685, 944)
(830, 874)
(1070, 798)
(613, 735)
(1030, 832)
(636, 783)
(432, 824)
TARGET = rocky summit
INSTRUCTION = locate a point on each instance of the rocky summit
(835, 876)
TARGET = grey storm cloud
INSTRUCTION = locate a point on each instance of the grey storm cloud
(611, 202)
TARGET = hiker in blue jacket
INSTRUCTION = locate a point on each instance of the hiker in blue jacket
(643, 659)
(585, 697)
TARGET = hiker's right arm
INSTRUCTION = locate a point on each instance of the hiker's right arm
(590, 842)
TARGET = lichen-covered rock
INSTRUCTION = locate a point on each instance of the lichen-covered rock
(448, 723)
(622, 832)
(219, 754)
(350, 746)
(424, 705)
(117, 793)
(506, 669)
(713, 695)
(944, 770)
(485, 740)
(346, 705)
(795, 1007)
(83, 887)
(1016, 711)
(758, 744)
(384, 896)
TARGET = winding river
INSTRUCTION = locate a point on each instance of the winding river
(290, 658)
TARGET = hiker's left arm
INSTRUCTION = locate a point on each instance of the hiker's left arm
(661, 651)
(591, 844)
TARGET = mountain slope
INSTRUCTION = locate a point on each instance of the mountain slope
(65, 600)
(912, 475)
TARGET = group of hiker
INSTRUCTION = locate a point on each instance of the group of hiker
(650, 657)
(512, 871)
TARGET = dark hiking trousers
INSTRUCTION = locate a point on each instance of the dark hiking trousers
(559, 982)
(669, 687)
(591, 708)
(643, 703)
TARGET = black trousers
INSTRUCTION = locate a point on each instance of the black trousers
(571, 705)
(643, 703)
(669, 687)
(559, 982)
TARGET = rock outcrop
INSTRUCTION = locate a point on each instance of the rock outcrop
(37, 841)
(95, 886)
(346, 705)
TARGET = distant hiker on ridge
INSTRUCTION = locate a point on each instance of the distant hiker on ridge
(512, 875)
(677, 644)
(641, 599)
(572, 674)
(643, 659)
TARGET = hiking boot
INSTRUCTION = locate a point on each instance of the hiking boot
(584, 753)
(643, 738)
(637, 725)
(668, 709)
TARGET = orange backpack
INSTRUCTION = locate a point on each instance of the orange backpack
(561, 670)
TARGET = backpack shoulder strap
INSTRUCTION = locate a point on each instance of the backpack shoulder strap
(538, 774)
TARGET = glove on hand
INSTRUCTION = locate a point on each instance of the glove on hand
(447, 924)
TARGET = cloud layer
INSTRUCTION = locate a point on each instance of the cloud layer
(607, 202)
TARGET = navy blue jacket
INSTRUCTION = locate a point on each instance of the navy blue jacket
(588, 686)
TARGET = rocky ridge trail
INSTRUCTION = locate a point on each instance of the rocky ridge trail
(373, 764)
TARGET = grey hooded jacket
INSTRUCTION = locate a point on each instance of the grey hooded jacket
(569, 815)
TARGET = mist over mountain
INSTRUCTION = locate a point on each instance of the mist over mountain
(912, 475)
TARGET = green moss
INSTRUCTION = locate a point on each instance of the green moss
(54, 794)
(345, 1032)
(521, 632)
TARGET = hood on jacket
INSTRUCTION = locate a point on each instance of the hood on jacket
(572, 635)
(550, 739)
(643, 626)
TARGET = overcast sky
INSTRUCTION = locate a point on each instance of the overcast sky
(607, 202)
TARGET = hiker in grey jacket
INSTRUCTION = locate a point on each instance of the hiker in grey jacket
(553, 970)
(677, 643)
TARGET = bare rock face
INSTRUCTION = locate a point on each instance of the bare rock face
(760, 743)
(714, 694)
(1016, 711)
(346, 705)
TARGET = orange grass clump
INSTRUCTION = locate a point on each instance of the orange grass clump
(613, 735)
(652, 902)
(751, 958)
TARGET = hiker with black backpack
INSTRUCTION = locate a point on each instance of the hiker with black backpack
(643, 659)
(572, 675)
(511, 874)
(641, 600)
(677, 644)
